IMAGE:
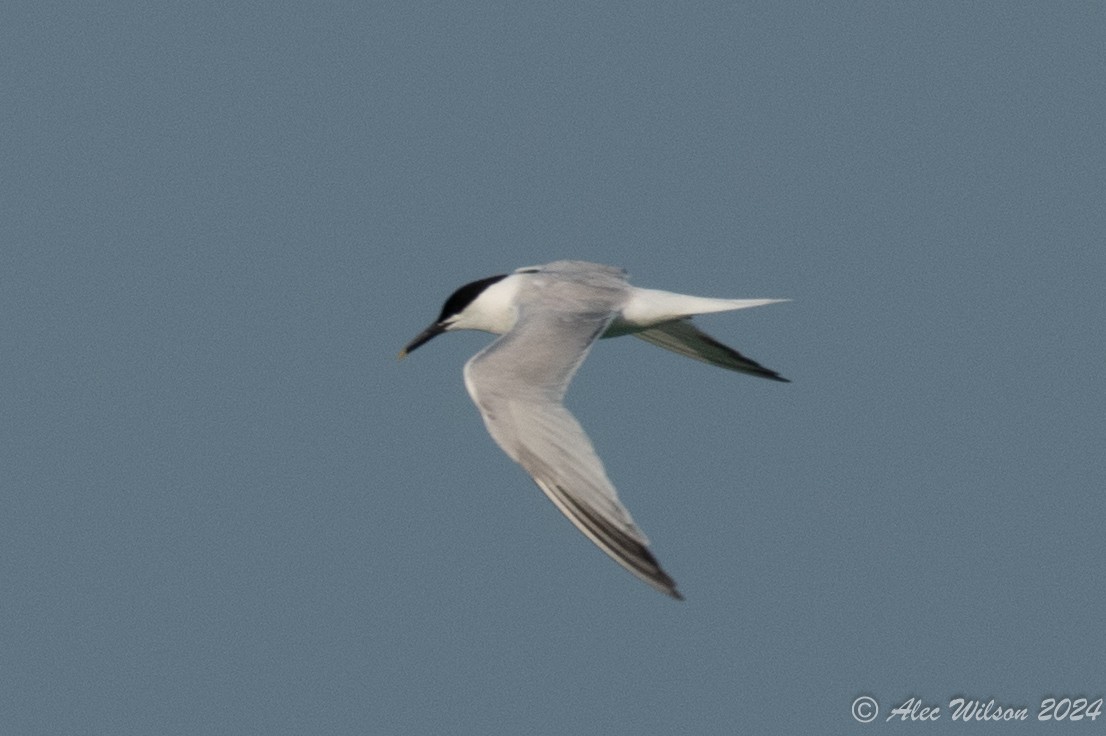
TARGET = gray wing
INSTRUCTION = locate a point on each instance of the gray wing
(682, 337)
(517, 383)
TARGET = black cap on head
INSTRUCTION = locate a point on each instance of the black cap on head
(464, 296)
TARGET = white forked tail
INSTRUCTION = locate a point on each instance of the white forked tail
(649, 307)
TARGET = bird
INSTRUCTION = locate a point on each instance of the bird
(548, 318)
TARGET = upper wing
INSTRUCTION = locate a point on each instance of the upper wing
(685, 338)
(517, 383)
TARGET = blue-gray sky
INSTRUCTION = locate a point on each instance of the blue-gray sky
(228, 509)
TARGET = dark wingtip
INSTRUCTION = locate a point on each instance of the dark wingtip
(761, 372)
(660, 580)
(751, 367)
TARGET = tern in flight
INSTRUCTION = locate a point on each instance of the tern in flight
(548, 317)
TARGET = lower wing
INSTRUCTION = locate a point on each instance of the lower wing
(685, 338)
